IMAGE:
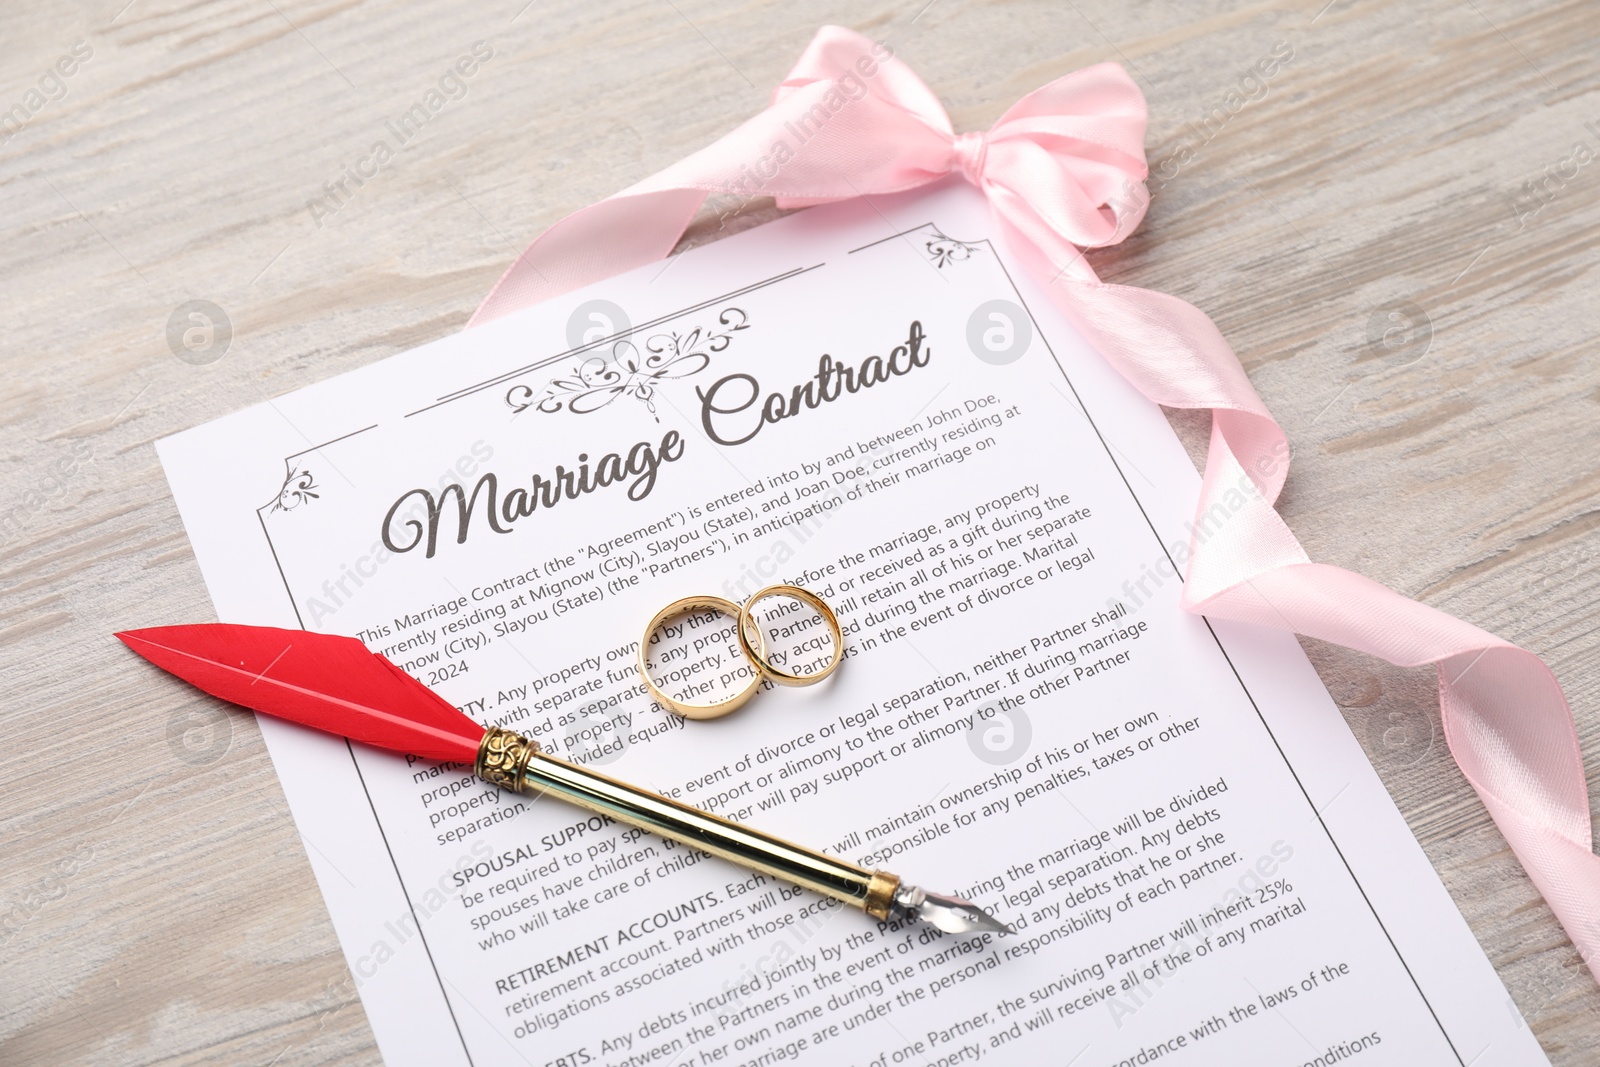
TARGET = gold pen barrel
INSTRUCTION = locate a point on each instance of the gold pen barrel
(510, 760)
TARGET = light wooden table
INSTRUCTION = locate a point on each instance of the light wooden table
(155, 903)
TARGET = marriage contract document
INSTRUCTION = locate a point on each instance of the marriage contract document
(869, 400)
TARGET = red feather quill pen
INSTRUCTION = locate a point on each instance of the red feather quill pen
(330, 683)
(335, 684)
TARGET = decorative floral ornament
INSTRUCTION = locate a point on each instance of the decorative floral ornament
(297, 490)
(944, 250)
(597, 381)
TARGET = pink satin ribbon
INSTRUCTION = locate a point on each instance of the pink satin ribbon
(1063, 170)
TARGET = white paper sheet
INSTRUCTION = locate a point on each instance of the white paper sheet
(1202, 865)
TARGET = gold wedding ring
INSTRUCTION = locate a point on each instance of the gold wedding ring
(722, 606)
(757, 653)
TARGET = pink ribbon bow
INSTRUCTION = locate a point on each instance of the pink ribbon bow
(1063, 170)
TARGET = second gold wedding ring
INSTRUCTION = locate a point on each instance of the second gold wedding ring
(751, 642)
(756, 652)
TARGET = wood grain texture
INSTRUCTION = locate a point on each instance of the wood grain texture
(155, 902)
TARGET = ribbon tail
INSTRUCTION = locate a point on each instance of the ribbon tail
(871, 128)
(598, 242)
(1504, 717)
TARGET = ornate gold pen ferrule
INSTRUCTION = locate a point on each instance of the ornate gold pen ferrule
(515, 762)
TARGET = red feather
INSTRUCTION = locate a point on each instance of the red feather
(329, 683)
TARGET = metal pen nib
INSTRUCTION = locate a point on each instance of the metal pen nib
(950, 914)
